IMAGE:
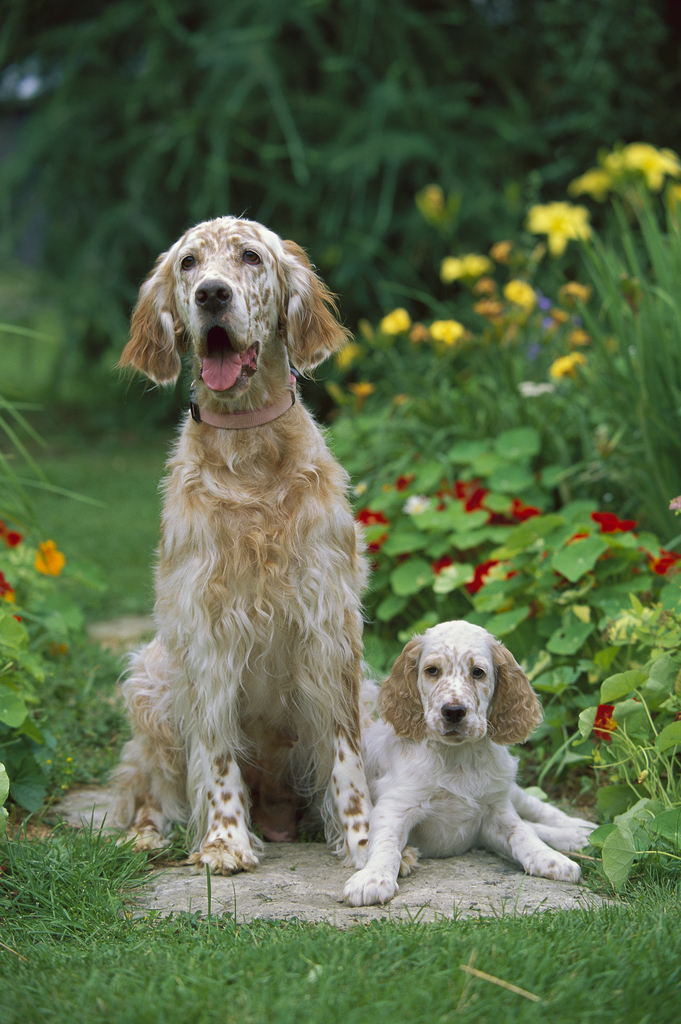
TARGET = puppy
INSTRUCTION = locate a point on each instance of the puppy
(439, 772)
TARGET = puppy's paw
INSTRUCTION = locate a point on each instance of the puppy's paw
(576, 837)
(550, 864)
(410, 858)
(368, 887)
(222, 858)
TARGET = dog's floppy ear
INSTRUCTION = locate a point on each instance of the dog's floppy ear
(515, 707)
(310, 312)
(156, 331)
(399, 701)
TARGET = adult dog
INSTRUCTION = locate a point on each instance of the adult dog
(440, 774)
(246, 705)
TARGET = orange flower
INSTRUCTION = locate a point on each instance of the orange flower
(48, 560)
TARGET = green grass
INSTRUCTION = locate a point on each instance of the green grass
(73, 952)
(122, 470)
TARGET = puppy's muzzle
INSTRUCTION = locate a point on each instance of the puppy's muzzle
(453, 714)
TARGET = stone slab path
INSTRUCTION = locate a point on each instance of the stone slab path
(305, 881)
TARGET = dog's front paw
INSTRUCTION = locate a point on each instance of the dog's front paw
(147, 839)
(222, 858)
(574, 837)
(550, 864)
(410, 858)
(367, 887)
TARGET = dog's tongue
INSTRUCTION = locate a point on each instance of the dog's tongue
(221, 369)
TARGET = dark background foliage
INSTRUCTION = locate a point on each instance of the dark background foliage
(321, 118)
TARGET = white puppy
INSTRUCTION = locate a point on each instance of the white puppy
(440, 775)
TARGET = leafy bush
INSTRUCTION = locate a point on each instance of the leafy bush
(321, 119)
(636, 736)
(38, 624)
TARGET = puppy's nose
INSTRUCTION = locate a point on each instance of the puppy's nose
(212, 296)
(453, 713)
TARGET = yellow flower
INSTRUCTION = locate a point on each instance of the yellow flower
(561, 222)
(521, 293)
(595, 182)
(500, 251)
(468, 267)
(575, 290)
(566, 366)
(447, 331)
(431, 202)
(362, 389)
(48, 560)
(397, 322)
(559, 315)
(418, 333)
(578, 337)
(491, 308)
(485, 286)
(653, 163)
(347, 355)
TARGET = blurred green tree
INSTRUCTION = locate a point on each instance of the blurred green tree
(321, 118)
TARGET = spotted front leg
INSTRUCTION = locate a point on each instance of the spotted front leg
(226, 847)
(351, 797)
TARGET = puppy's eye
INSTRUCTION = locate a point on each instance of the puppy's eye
(187, 262)
(432, 670)
(479, 672)
(250, 256)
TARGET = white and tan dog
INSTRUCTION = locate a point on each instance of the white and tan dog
(246, 705)
(439, 772)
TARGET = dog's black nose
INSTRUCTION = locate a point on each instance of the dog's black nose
(212, 296)
(453, 713)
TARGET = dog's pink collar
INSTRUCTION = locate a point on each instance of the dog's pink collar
(247, 418)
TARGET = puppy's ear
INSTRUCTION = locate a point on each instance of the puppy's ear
(515, 707)
(310, 312)
(156, 331)
(399, 701)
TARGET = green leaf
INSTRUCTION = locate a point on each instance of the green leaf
(621, 684)
(452, 577)
(404, 543)
(612, 800)
(569, 639)
(600, 834)
(410, 577)
(12, 633)
(465, 452)
(390, 606)
(521, 443)
(506, 622)
(586, 721)
(511, 479)
(667, 824)
(619, 853)
(669, 737)
(529, 532)
(557, 680)
(4, 784)
(13, 710)
(428, 475)
(605, 657)
(578, 558)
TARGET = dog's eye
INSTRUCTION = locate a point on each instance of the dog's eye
(250, 256)
(479, 672)
(187, 262)
(432, 670)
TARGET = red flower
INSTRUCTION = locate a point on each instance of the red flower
(377, 544)
(471, 493)
(369, 518)
(604, 724)
(576, 536)
(6, 589)
(441, 563)
(521, 511)
(664, 562)
(479, 574)
(403, 481)
(10, 537)
(609, 522)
